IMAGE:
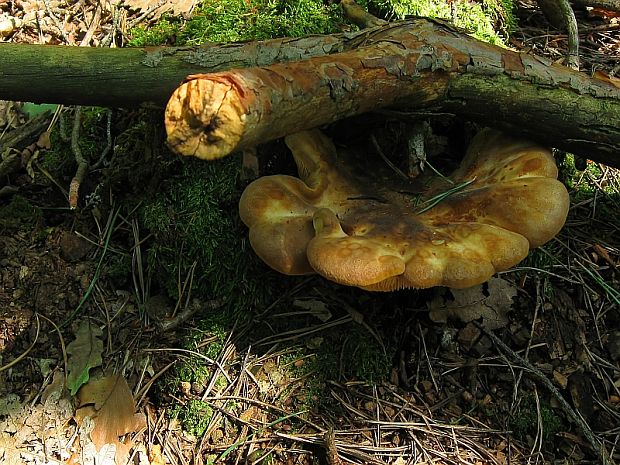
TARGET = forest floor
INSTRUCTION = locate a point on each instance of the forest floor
(527, 372)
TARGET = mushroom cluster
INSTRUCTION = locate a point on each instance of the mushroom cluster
(353, 221)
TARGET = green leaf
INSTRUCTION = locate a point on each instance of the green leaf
(35, 109)
(84, 353)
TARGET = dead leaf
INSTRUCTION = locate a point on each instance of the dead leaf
(109, 403)
(315, 307)
(468, 336)
(9, 451)
(560, 378)
(156, 456)
(613, 80)
(490, 301)
(84, 354)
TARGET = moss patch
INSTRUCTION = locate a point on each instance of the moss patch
(222, 21)
(525, 422)
(198, 236)
(195, 416)
(19, 212)
(488, 20)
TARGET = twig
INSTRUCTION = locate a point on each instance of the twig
(108, 147)
(387, 161)
(82, 168)
(12, 155)
(357, 15)
(56, 22)
(610, 5)
(94, 23)
(570, 22)
(63, 347)
(595, 443)
(27, 351)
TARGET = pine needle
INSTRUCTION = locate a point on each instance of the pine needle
(433, 201)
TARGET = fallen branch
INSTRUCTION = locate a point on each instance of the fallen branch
(82, 163)
(410, 65)
(129, 77)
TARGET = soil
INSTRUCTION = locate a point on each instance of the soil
(452, 392)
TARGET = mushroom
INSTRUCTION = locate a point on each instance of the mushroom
(351, 220)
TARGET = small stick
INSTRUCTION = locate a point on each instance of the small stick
(82, 168)
(358, 16)
(570, 22)
(330, 444)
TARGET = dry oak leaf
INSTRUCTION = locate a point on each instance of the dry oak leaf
(110, 405)
(474, 303)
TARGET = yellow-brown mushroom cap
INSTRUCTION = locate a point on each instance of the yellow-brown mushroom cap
(367, 229)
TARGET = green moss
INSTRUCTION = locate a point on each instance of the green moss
(483, 19)
(165, 32)
(119, 270)
(192, 370)
(195, 416)
(224, 21)
(213, 330)
(197, 232)
(340, 355)
(59, 161)
(524, 422)
(354, 354)
(19, 212)
(582, 181)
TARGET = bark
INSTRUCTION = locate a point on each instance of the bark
(411, 65)
(130, 77)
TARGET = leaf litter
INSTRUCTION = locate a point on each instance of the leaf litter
(438, 404)
(489, 302)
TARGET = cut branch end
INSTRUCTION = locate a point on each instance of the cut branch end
(206, 118)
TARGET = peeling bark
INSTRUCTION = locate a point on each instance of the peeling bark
(409, 65)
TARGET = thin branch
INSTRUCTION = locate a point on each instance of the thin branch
(570, 23)
(82, 168)
(360, 17)
(594, 442)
